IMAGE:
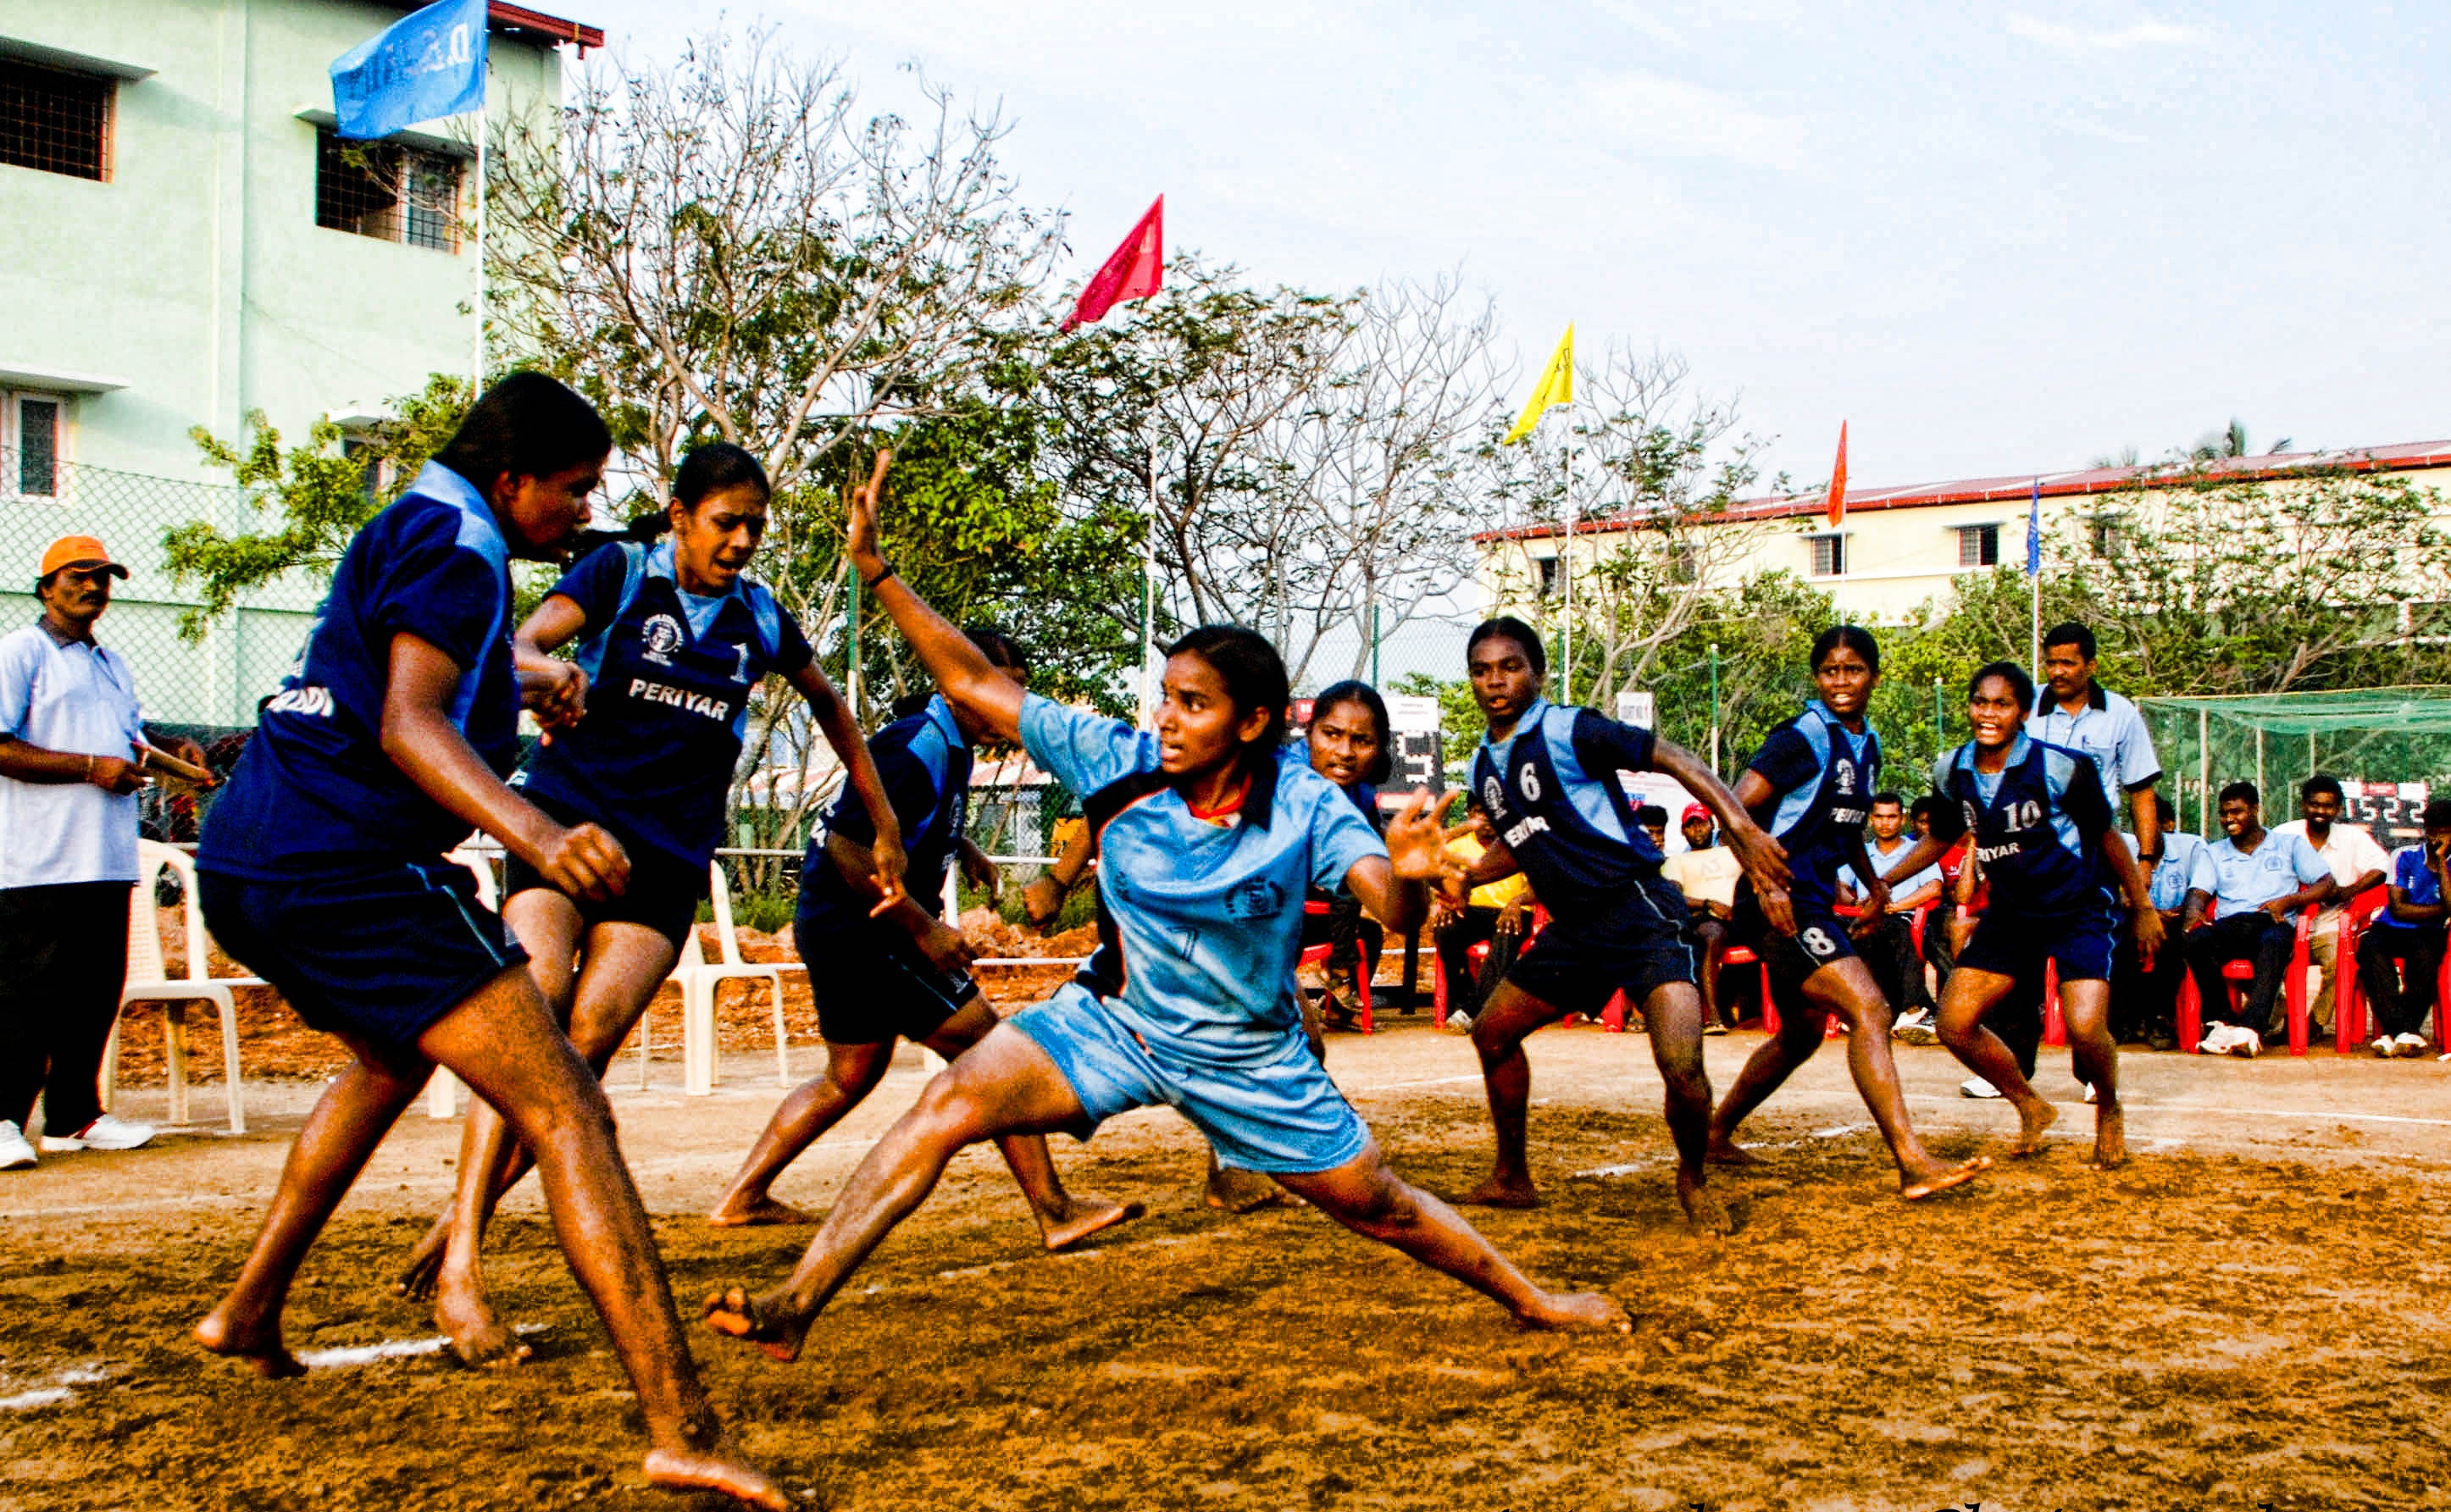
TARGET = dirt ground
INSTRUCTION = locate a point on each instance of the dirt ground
(2254, 1313)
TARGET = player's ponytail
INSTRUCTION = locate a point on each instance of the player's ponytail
(528, 425)
(1255, 678)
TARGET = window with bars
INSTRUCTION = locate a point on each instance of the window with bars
(1979, 546)
(2102, 531)
(1828, 556)
(387, 191)
(31, 429)
(54, 121)
(1548, 576)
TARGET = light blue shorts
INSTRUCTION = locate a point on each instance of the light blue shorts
(1282, 1115)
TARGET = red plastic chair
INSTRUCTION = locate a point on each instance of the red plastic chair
(1475, 953)
(1317, 955)
(2238, 974)
(2349, 994)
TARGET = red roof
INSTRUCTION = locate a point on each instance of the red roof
(2019, 487)
(521, 19)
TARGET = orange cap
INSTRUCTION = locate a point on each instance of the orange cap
(78, 551)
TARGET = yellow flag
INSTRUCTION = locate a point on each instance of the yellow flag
(1557, 386)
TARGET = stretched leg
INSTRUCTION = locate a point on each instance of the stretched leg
(1498, 1034)
(2086, 1006)
(349, 1120)
(814, 1107)
(1800, 1026)
(1846, 987)
(1064, 1220)
(1370, 1198)
(505, 1046)
(1675, 1011)
(1005, 1085)
(624, 965)
(1971, 993)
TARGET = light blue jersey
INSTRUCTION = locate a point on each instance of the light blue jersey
(2241, 880)
(1203, 920)
(2174, 874)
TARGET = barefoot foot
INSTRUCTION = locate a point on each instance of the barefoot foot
(1083, 1216)
(415, 1279)
(1234, 1190)
(1576, 1310)
(2036, 1116)
(761, 1321)
(259, 1344)
(760, 1213)
(467, 1320)
(713, 1470)
(1703, 1206)
(1941, 1178)
(2110, 1139)
(1501, 1191)
(1725, 1151)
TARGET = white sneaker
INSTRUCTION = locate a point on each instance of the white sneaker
(1976, 1087)
(2245, 1041)
(2385, 1046)
(2409, 1045)
(2090, 1092)
(1458, 1023)
(15, 1154)
(1915, 1029)
(106, 1132)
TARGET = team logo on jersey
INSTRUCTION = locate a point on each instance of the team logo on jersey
(1493, 795)
(1846, 774)
(1255, 900)
(661, 635)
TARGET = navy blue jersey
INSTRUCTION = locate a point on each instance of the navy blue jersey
(926, 767)
(314, 793)
(1552, 792)
(2038, 824)
(1824, 776)
(669, 677)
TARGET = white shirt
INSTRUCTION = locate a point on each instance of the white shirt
(80, 700)
(1706, 875)
(2350, 852)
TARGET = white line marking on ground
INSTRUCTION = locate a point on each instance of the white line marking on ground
(359, 1354)
(44, 1397)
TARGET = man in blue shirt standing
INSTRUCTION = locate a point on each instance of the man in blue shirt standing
(2144, 995)
(2082, 715)
(2258, 881)
(2401, 956)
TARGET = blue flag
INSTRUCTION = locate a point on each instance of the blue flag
(2034, 533)
(428, 64)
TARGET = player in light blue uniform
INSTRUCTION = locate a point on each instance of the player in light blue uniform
(1209, 832)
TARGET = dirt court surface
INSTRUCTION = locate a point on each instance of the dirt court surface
(2256, 1311)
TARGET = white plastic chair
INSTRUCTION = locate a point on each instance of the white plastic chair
(148, 981)
(699, 980)
(442, 1089)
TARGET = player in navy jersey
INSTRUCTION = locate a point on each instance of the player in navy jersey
(1549, 780)
(2045, 836)
(902, 973)
(1811, 783)
(323, 869)
(643, 729)
(1209, 831)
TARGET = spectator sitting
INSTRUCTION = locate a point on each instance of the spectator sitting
(2401, 954)
(2145, 995)
(1654, 820)
(2259, 880)
(1706, 872)
(1497, 914)
(2357, 862)
(1889, 945)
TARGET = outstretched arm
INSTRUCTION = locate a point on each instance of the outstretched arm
(962, 675)
(553, 689)
(1752, 791)
(1760, 855)
(1396, 887)
(842, 732)
(419, 737)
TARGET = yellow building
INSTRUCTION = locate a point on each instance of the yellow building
(1899, 547)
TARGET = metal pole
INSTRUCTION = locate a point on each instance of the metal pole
(2204, 773)
(1714, 706)
(1374, 642)
(1148, 591)
(477, 370)
(2259, 762)
(1566, 576)
(1939, 719)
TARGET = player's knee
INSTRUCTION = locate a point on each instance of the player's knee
(1384, 1204)
(950, 1110)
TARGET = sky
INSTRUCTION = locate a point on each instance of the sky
(1992, 239)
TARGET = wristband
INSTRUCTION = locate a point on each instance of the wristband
(873, 584)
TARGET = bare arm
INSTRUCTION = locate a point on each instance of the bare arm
(33, 763)
(940, 942)
(553, 689)
(1928, 893)
(1043, 899)
(842, 732)
(961, 673)
(2148, 821)
(420, 739)
(2408, 913)
(1760, 855)
(1396, 887)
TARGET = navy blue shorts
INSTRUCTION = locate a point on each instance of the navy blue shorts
(2008, 943)
(662, 895)
(871, 984)
(376, 955)
(1640, 945)
(1820, 940)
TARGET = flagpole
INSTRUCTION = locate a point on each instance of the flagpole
(1148, 586)
(2034, 570)
(1567, 577)
(478, 382)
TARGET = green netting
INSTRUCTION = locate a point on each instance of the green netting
(2389, 747)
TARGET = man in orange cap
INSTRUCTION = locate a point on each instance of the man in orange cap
(72, 753)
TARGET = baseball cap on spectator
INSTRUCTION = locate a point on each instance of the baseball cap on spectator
(1693, 811)
(79, 551)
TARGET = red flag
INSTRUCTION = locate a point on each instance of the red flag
(1839, 482)
(1134, 272)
